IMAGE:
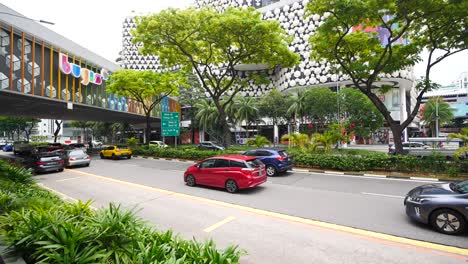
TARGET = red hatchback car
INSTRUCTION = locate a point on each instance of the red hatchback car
(232, 172)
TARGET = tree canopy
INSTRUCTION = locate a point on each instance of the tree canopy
(373, 38)
(146, 87)
(213, 45)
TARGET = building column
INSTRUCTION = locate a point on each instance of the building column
(275, 134)
(201, 135)
(403, 113)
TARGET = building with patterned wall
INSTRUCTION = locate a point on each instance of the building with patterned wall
(309, 73)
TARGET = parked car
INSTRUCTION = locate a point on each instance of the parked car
(232, 172)
(158, 143)
(443, 206)
(76, 157)
(22, 148)
(406, 147)
(76, 146)
(210, 146)
(8, 147)
(276, 161)
(44, 162)
(3, 143)
(96, 144)
(116, 152)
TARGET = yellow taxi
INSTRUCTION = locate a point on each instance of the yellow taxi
(116, 152)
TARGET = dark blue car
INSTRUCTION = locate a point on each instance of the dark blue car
(8, 148)
(275, 161)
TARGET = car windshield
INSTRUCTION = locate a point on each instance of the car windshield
(462, 186)
(255, 163)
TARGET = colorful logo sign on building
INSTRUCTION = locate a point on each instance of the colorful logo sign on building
(87, 76)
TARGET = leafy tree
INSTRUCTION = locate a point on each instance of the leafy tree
(188, 98)
(10, 125)
(436, 108)
(275, 105)
(321, 105)
(297, 140)
(437, 26)
(207, 114)
(330, 137)
(360, 111)
(147, 88)
(213, 45)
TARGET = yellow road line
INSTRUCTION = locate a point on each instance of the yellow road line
(345, 229)
(219, 224)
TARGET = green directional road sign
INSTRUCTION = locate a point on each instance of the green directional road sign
(170, 124)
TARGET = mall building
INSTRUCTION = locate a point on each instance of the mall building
(308, 74)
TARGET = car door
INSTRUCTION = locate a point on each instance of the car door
(221, 172)
(205, 169)
(264, 156)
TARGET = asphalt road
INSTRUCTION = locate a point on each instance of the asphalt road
(361, 202)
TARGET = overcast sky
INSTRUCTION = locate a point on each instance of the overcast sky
(97, 26)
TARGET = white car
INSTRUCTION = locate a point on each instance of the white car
(158, 144)
(96, 144)
(407, 146)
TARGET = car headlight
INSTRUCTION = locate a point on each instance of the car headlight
(417, 199)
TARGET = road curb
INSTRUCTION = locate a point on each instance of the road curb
(370, 175)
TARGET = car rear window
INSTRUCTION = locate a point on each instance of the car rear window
(283, 153)
(255, 163)
(237, 164)
(76, 153)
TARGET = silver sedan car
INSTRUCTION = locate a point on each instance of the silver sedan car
(76, 157)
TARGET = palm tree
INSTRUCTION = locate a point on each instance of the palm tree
(297, 139)
(246, 110)
(463, 135)
(207, 115)
(259, 142)
(436, 108)
(298, 106)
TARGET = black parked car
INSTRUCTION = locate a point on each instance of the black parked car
(210, 146)
(45, 162)
(444, 206)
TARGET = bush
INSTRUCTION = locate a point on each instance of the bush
(186, 153)
(65, 234)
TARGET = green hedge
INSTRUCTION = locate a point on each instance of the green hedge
(344, 160)
(41, 228)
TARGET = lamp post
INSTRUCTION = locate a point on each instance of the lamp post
(20, 16)
(437, 119)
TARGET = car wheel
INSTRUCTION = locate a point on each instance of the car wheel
(231, 186)
(60, 170)
(129, 157)
(114, 157)
(191, 181)
(270, 170)
(87, 165)
(448, 222)
(101, 155)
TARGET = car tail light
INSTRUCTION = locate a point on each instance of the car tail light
(71, 159)
(281, 158)
(88, 157)
(60, 161)
(117, 150)
(40, 163)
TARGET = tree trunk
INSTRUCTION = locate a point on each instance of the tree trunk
(396, 130)
(148, 128)
(192, 124)
(57, 129)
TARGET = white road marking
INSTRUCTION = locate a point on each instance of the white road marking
(384, 195)
(382, 178)
(68, 179)
(219, 224)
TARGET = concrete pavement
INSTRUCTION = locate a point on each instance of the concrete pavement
(268, 237)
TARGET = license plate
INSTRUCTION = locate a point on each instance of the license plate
(52, 163)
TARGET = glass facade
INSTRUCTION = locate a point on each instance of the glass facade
(31, 66)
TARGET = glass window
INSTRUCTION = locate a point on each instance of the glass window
(254, 163)
(250, 153)
(110, 148)
(221, 163)
(207, 164)
(263, 153)
(237, 164)
(283, 153)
